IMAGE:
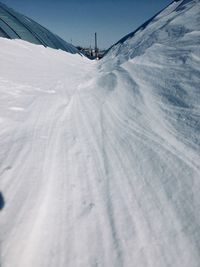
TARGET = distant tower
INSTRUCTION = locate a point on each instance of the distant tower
(96, 48)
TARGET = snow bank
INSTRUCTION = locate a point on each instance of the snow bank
(100, 162)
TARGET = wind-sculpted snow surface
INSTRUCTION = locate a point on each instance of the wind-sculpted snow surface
(100, 161)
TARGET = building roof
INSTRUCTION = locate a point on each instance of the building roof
(17, 26)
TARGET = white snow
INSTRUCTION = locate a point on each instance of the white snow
(99, 161)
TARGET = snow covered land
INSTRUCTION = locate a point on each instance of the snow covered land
(100, 161)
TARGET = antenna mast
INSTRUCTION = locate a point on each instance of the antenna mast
(96, 48)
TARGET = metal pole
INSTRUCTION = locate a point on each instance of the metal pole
(96, 45)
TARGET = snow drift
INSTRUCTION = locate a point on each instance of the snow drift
(100, 162)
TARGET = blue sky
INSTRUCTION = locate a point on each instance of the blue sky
(77, 20)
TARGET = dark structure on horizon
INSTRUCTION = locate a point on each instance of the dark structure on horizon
(96, 47)
(95, 53)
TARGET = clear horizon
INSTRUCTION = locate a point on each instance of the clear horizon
(77, 21)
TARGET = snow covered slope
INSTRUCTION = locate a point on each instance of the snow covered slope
(167, 28)
(100, 161)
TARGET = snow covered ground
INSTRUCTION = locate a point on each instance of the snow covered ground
(100, 161)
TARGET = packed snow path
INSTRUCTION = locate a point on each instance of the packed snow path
(100, 162)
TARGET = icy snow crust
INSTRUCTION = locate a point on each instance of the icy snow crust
(100, 162)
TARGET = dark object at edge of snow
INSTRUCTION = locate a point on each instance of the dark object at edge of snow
(2, 203)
